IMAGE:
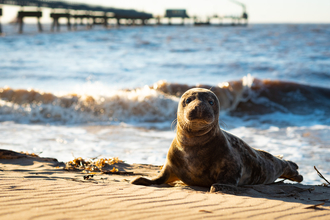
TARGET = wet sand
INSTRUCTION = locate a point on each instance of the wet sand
(39, 188)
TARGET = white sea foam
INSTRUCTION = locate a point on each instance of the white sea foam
(134, 145)
(248, 80)
(139, 105)
(140, 145)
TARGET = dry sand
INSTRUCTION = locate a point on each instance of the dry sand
(39, 188)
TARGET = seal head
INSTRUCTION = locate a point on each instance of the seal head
(198, 114)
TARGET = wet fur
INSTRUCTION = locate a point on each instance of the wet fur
(202, 154)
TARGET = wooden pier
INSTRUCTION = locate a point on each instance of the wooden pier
(99, 15)
(73, 11)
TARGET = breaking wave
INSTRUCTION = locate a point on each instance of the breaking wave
(158, 102)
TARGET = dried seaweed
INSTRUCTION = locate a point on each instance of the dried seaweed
(93, 165)
(88, 177)
(121, 173)
(320, 175)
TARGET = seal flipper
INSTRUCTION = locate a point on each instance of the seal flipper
(217, 187)
(147, 182)
(291, 172)
(227, 180)
(166, 176)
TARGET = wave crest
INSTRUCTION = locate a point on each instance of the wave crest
(158, 103)
(143, 104)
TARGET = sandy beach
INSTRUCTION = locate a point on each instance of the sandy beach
(40, 188)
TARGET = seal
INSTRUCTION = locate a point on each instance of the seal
(202, 154)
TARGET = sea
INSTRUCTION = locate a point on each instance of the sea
(114, 92)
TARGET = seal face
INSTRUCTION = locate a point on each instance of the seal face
(202, 154)
(198, 110)
(198, 113)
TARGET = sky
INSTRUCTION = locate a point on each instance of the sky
(260, 11)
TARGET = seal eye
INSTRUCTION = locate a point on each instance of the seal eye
(211, 102)
(188, 100)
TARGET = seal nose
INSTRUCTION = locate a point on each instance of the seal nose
(196, 111)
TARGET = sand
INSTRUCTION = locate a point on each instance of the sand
(39, 188)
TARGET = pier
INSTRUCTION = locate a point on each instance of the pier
(73, 11)
(99, 15)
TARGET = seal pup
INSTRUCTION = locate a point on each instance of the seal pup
(202, 154)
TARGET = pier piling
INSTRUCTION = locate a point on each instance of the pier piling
(106, 22)
(56, 23)
(118, 21)
(39, 25)
(101, 19)
(22, 14)
(0, 21)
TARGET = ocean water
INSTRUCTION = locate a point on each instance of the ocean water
(114, 92)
